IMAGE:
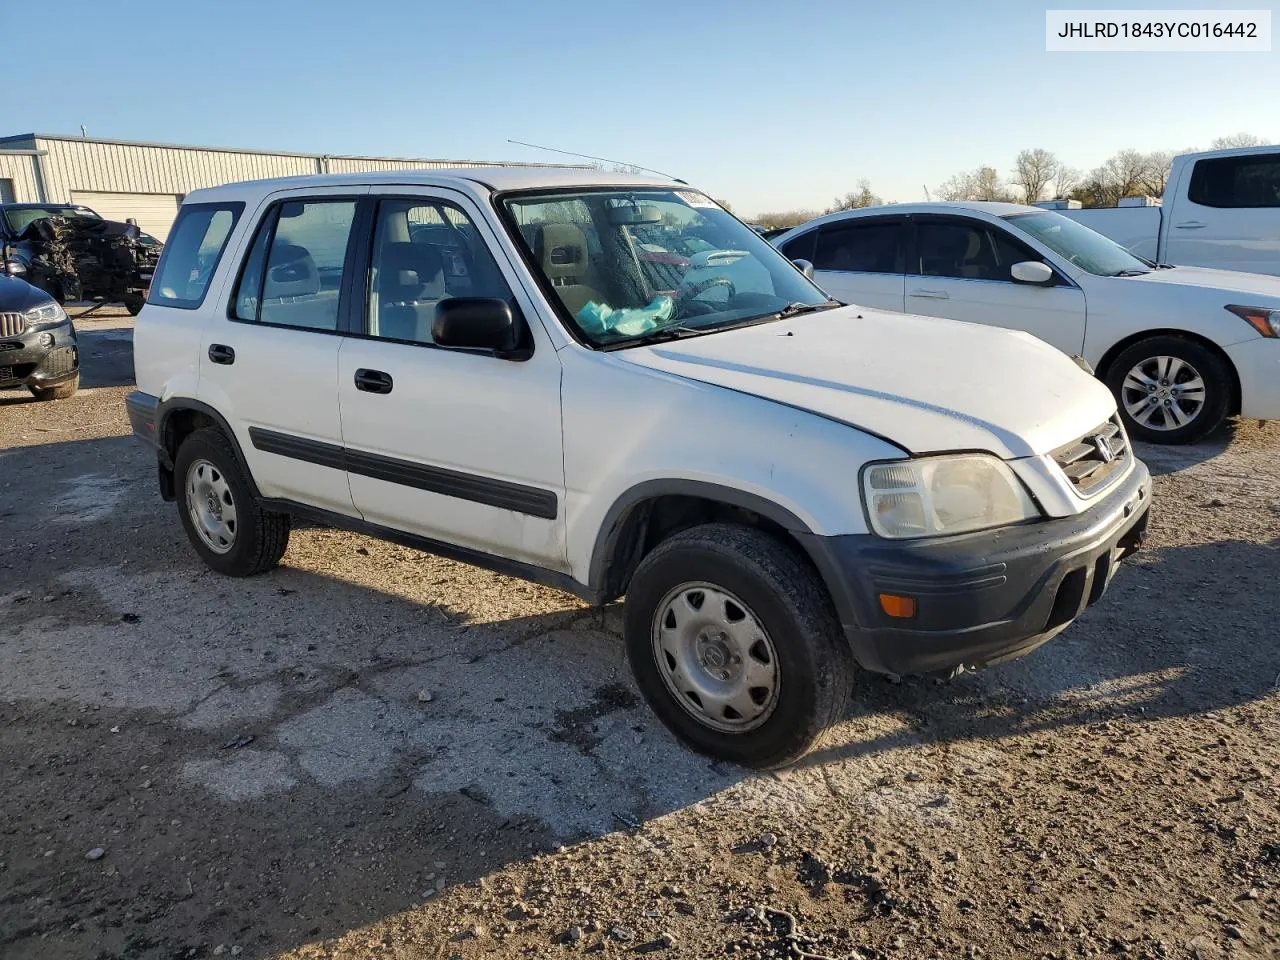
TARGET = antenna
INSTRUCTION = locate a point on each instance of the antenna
(84, 133)
(587, 156)
(926, 193)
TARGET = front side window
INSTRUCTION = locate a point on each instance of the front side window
(967, 251)
(1252, 181)
(1077, 244)
(195, 246)
(425, 251)
(626, 264)
(870, 246)
(293, 272)
(801, 247)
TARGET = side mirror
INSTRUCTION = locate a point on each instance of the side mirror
(805, 267)
(1031, 271)
(478, 323)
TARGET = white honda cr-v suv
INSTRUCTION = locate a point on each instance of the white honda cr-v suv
(610, 385)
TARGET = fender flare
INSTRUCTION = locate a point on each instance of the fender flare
(174, 405)
(612, 526)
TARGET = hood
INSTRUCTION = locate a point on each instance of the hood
(1230, 282)
(926, 384)
(18, 296)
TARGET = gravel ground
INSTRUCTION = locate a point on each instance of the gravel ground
(375, 752)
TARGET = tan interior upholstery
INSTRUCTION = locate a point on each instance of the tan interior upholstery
(562, 251)
(292, 294)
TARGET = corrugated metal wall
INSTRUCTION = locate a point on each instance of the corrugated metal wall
(21, 170)
(74, 164)
(126, 168)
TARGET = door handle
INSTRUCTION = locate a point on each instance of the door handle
(221, 353)
(931, 294)
(1190, 225)
(373, 381)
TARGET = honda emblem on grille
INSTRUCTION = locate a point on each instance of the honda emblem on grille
(1103, 446)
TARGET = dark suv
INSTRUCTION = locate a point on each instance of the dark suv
(37, 342)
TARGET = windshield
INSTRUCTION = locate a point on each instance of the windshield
(629, 264)
(1087, 249)
(19, 218)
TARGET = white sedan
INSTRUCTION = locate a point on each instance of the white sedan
(1182, 348)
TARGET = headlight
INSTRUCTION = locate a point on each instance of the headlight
(1265, 320)
(45, 315)
(937, 496)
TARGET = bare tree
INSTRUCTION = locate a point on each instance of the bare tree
(1033, 170)
(786, 218)
(857, 199)
(1065, 180)
(1156, 172)
(984, 183)
(1237, 140)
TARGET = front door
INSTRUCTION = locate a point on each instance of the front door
(860, 261)
(455, 445)
(959, 269)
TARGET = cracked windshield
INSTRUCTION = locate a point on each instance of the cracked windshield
(629, 265)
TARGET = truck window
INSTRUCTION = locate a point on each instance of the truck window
(195, 246)
(1233, 182)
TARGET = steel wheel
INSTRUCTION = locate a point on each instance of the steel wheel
(1163, 393)
(210, 506)
(715, 657)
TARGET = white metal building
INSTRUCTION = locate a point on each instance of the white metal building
(147, 181)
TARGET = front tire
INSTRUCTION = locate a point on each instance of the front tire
(60, 391)
(1170, 389)
(222, 517)
(734, 642)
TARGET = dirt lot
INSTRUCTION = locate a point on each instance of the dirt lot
(375, 752)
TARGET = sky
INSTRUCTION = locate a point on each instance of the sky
(766, 105)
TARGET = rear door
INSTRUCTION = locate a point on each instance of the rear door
(1228, 216)
(960, 269)
(269, 360)
(455, 445)
(861, 260)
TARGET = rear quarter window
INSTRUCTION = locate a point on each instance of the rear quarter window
(191, 256)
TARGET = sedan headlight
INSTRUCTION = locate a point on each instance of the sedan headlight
(1265, 320)
(937, 496)
(45, 315)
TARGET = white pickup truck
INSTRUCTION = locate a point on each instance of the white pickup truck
(1220, 209)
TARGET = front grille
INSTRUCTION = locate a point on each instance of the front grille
(12, 324)
(1094, 460)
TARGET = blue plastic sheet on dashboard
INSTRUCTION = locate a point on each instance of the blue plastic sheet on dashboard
(600, 318)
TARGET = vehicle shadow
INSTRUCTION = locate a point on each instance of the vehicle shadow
(272, 761)
(1163, 458)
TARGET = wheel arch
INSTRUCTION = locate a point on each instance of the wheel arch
(179, 417)
(1109, 358)
(650, 512)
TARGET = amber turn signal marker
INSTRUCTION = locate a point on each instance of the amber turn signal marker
(896, 606)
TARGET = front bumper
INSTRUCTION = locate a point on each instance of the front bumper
(981, 598)
(24, 361)
(1257, 364)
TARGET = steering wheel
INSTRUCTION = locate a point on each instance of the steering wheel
(689, 292)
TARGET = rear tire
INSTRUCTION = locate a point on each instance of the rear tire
(223, 519)
(59, 391)
(801, 663)
(1170, 389)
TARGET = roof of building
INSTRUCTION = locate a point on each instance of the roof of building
(494, 178)
(28, 137)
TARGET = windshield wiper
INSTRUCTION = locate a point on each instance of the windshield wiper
(797, 309)
(1130, 273)
(675, 331)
